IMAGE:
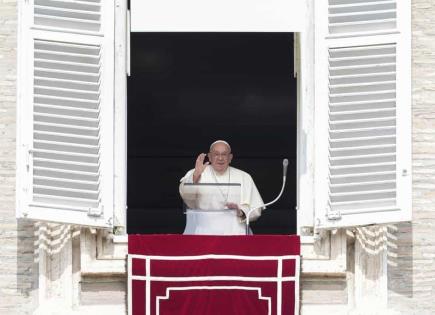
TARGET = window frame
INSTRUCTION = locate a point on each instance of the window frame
(304, 58)
(305, 68)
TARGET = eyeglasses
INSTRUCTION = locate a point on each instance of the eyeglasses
(224, 155)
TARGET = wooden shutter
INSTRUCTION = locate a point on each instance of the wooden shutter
(362, 112)
(65, 111)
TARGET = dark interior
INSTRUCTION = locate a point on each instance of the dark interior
(187, 90)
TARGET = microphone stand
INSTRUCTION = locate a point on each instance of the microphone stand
(284, 178)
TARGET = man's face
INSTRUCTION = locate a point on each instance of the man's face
(220, 157)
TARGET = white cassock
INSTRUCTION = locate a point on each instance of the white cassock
(206, 212)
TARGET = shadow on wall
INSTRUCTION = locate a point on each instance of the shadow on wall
(374, 251)
(27, 260)
(42, 249)
(400, 257)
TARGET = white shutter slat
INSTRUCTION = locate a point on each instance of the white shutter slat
(363, 110)
(66, 66)
(87, 6)
(66, 174)
(55, 100)
(361, 70)
(63, 83)
(362, 14)
(66, 75)
(85, 14)
(78, 130)
(367, 85)
(363, 159)
(362, 123)
(65, 183)
(47, 114)
(48, 191)
(68, 23)
(67, 165)
(48, 209)
(73, 140)
(363, 132)
(59, 202)
(65, 119)
(366, 178)
(374, 95)
(367, 25)
(361, 169)
(349, 16)
(352, 80)
(67, 48)
(364, 105)
(65, 110)
(347, 6)
(61, 56)
(68, 15)
(76, 157)
(77, 94)
(362, 141)
(370, 194)
(357, 116)
(354, 2)
(374, 205)
(65, 147)
(362, 186)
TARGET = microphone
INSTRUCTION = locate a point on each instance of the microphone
(284, 167)
(284, 177)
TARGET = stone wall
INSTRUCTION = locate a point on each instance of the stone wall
(411, 262)
(18, 275)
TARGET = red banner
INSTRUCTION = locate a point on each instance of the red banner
(193, 274)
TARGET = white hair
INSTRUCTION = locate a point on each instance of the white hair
(220, 141)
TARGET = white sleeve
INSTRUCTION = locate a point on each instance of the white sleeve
(188, 178)
(251, 198)
(187, 193)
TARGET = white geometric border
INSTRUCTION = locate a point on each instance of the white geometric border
(169, 289)
(279, 279)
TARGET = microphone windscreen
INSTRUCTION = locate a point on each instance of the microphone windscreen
(284, 167)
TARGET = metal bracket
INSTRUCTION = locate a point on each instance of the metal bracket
(96, 212)
(333, 215)
(29, 157)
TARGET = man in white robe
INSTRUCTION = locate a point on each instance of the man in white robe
(218, 196)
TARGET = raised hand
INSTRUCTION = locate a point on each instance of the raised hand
(199, 167)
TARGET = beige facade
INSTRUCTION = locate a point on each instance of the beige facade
(51, 257)
(18, 284)
(411, 268)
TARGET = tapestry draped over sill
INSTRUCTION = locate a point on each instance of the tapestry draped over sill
(191, 274)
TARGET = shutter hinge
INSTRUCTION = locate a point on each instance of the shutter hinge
(333, 215)
(29, 157)
(96, 212)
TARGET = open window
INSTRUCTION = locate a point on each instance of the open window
(349, 170)
(187, 90)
